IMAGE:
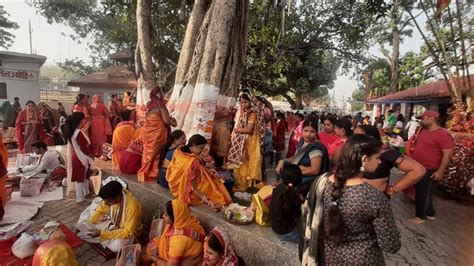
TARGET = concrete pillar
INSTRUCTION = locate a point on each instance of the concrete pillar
(403, 109)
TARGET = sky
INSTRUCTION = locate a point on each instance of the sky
(48, 40)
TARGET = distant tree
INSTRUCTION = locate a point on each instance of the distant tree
(358, 98)
(6, 38)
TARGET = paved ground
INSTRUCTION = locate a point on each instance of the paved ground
(447, 241)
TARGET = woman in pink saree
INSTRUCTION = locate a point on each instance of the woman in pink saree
(29, 128)
(101, 128)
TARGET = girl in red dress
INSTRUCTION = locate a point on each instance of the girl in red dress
(79, 155)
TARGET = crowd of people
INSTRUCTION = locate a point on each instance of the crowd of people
(332, 193)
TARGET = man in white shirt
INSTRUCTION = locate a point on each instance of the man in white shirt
(48, 161)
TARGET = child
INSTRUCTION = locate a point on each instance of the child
(285, 207)
(396, 140)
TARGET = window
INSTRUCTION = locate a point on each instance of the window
(1, 63)
(3, 91)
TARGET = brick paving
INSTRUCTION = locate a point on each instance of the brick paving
(446, 241)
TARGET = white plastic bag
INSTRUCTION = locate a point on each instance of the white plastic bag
(24, 247)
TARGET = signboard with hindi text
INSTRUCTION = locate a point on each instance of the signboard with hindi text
(18, 74)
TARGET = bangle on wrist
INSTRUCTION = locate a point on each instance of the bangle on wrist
(204, 199)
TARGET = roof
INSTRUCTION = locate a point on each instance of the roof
(437, 89)
(39, 58)
(123, 54)
(120, 77)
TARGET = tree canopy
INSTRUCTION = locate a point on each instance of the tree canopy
(6, 25)
(295, 50)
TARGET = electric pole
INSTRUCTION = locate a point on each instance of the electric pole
(30, 31)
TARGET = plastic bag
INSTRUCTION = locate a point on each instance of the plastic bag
(261, 202)
(156, 228)
(24, 247)
(31, 187)
(129, 255)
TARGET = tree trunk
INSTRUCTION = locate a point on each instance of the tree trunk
(143, 59)
(290, 100)
(210, 64)
(465, 64)
(298, 99)
(394, 59)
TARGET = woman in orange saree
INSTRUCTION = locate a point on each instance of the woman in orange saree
(100, 125)
(156, 128)
(82, 106)
(123, 135)
(190, 181)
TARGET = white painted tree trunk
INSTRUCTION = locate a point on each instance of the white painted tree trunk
(210, 64)
(143, 58)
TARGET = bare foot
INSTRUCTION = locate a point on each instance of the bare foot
(416, 220)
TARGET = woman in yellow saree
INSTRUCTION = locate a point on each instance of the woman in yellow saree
(245, 155)
(182, 240)
(190, 181)
(157, 122)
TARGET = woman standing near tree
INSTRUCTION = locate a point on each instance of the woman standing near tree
(82, 106)
(245, 155)
(28, 127)
(156, 128)
(100, 125)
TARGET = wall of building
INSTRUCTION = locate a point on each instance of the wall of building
(27, 89)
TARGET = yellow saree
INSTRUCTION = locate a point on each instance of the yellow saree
(250, 169)
(185, 170)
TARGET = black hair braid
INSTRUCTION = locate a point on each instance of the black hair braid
(172, 137)
(348, 166)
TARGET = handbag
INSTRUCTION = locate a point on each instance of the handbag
(129, 255)
(156, 228)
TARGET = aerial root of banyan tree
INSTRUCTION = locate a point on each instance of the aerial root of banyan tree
(210, 64)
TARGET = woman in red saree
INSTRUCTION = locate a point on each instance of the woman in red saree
(156, 128)
(82, 106)
(79, 156)
(100, 125)
(28, 127)
(3, 176)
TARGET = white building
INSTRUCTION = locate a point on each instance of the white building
(19, 76)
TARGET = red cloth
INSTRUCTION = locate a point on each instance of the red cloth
(80, 171)
(295, 138)
(429, 146)
(71, 238)
(327, 139)
(130, 162)
(333, 147)
(279, 138)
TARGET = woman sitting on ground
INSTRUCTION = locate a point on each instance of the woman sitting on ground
(391, 158)
(346, 219)
(182, 240)
(190, 181)
(218, 249)
(176, 139)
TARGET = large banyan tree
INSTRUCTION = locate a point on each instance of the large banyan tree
(210, 65)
